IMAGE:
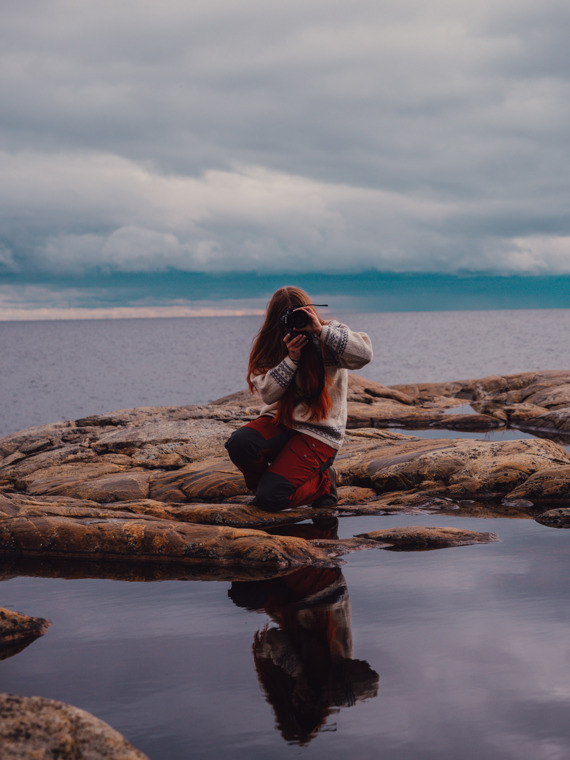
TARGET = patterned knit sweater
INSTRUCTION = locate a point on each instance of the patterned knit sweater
(342, 350)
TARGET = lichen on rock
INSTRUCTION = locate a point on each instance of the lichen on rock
(34, 727)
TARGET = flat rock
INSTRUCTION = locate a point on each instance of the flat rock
(533, 401)
(555, 518)
(33, 728)
(15, 626)
(153, 539)
(144, 482)
(188, 441)
(18, 631)
(457, 468)
(215, 479)
(415, 538)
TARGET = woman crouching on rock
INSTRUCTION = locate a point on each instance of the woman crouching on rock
(298, 365)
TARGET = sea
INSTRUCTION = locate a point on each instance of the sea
(455, 653)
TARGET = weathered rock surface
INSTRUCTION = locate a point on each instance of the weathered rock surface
(15, 626)
(414, 537)
(33, 728)
(533, 401)
(17, 631)
(547, 486)
(151, 538)
(555, 518)
(154, 484)
(457, 468)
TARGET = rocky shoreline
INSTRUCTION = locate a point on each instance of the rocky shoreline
(154, 484)
(149, 493)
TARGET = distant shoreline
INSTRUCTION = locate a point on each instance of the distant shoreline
(166, 312)
(175, 293)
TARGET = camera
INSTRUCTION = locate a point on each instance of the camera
(295, 319)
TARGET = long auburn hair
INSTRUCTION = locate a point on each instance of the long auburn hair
(269, 349)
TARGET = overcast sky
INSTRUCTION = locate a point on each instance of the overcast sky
(321, 135)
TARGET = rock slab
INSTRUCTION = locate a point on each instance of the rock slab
(34, 728)
(15, 626)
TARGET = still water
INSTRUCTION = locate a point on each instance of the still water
(65, 370)
(456, 653)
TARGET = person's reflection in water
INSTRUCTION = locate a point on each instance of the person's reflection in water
(305, 664)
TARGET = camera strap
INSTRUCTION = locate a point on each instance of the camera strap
(315, 342)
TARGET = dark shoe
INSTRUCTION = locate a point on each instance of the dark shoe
(329, 499)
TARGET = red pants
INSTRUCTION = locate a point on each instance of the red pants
(285, 468)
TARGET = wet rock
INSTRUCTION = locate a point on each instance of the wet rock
(153, 539)
(17, 631)
(533, 401)
(518, 503)
(414, 538)
(14, 625)
(37, 728)
(555, 518)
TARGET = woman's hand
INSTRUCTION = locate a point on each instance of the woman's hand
(295, 344)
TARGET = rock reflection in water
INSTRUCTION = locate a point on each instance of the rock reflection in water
(304, 663)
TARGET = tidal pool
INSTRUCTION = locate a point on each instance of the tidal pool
(451, 653)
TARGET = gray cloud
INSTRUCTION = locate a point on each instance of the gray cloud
(326, 135)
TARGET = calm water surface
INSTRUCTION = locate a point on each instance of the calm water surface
(456, 653)
(65, 370)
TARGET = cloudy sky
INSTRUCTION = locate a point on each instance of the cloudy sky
(282, 136)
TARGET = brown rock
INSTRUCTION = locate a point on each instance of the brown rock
(455, 468)
(386, 412)
(14, 626)
(33, 728)
(555, 518)
(355, 495)
(189, 440)
(124, 486)
(361, 389)
(153, 539)
(7, 508)
(135, 483)
(17, 631)
(534, 401)
(556, 420)
(212, 480)
(549, 485)
(413, 538)
(60, 479)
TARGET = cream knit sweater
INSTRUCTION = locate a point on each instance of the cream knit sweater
(342, 350)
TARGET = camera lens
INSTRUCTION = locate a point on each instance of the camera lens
(299, 319)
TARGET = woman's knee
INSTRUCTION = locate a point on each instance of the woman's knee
(244, 445)
(274, 492)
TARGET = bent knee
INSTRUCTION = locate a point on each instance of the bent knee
(243, 445)
(274, 492)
